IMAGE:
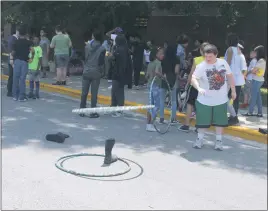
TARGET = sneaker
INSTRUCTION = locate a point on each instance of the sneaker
(23, 100)
(150, 128)
(94, 115)
(218, 145)
(30, 95)
(110, 87)
(233, 120)
(162, 121)
(259, 115)
(198, 144)
(37, 95)
(174, 122)
(117, 114)
(184, 128)
(15, 99)
(57, 83)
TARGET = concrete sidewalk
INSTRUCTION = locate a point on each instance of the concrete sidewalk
(248, 128)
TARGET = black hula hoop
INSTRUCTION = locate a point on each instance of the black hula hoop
(60, 161)
(150, 99)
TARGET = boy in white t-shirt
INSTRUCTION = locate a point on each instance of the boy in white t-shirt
(210, 79)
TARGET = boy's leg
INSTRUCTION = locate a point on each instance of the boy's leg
(37, 83)
(162, 96)
(203, 121)
(22, 85)
(173, 103)
(16, 78)
(10, 80)
(121, 95)
(85, 88)
(94, 92)
(31, 79)
(113, 93)
(219, 120)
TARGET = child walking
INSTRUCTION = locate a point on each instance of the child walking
(34, 69)
(154, 69)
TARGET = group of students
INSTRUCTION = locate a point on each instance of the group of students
(31, 57)
(214, 86)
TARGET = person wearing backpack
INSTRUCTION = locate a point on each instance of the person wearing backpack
(94, 64)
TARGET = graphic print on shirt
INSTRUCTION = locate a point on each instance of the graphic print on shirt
(216, 79)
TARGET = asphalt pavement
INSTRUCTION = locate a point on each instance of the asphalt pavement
(167, 173)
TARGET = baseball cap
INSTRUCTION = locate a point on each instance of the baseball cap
(118, 30)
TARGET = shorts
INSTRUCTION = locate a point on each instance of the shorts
(62, 61)
(207, 116)
(247, 87)
(154, 99)
(192, 94)
(34, 75)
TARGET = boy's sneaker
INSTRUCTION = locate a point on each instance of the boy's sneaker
(110, 87)
(23, 100)
(184, 128)
(174, 122)
(30, 95)
(150, 128)
(37, 96)
(117, 114)
(94, 115)
(233, 120)
(162, 121)
(15, 99)
(198, 144)
(218, 145)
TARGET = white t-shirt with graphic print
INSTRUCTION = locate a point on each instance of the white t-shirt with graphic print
(212, 78)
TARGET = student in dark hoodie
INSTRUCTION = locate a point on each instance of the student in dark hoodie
(94, 63)
(121, 65)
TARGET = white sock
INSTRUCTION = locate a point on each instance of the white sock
(200, 135)
(218, 137)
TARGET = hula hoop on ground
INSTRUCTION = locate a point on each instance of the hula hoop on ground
(161, 128)
(60, 161)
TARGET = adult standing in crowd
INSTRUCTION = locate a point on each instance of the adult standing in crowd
(192, 93)
(183, 42)
(137, 58)
(170, 68)
(240, 66)
(11, 41)
(233, 58)
(112, 35)
(61, 44)
(257, 81)
(122, 63)
(20, 51)
(44, 44)
(94, 62)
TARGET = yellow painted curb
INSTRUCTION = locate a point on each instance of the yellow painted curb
(237, 131)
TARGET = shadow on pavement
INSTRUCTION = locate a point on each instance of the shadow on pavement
(27, 123)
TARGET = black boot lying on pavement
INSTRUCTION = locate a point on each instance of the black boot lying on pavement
(57, 137)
